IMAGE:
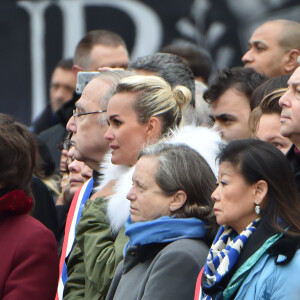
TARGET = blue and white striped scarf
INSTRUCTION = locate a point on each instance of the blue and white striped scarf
(223, 255)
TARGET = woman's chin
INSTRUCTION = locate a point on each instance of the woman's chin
(122, 162)
(115, 160)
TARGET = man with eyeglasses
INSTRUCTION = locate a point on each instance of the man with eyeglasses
(97, 49)
(274, 48)
(88, 125)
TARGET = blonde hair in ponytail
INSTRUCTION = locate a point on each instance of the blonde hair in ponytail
(156, 98)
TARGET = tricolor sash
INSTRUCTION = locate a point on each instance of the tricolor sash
(74, 214)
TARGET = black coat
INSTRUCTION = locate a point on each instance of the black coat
(294, 160)
(44, 207)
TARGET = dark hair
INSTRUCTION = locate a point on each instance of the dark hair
(182, 168)
(197, 59)
(46, 165)
(268, 105)
(265, 100)
(268, 87)
(18, 154)
(244, 80)
(96, 37)
(170, 67)
(257, 160)
(66, 64)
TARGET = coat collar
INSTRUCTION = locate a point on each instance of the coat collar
(15, 202)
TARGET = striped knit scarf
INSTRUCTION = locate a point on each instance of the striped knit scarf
(223, 255)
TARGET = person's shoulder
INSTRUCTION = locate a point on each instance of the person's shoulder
(292, 266)
(275, 268)
(30, 226)
(282, 280)
(24, 231)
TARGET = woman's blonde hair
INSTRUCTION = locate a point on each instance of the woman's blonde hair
(155, 97)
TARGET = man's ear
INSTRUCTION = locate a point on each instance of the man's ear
(291, 60)
(179, 198)
(154, 129)
(76, 69)
(260, 192)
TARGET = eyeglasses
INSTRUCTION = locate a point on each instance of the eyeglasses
(65, 145)
(75, 114)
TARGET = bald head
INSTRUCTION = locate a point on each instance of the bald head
(290, 34)
(274, 48)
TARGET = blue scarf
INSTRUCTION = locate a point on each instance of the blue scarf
(163, 230)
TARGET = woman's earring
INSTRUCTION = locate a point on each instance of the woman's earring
(257, 209)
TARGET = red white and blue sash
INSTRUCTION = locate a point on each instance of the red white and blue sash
(74, 214)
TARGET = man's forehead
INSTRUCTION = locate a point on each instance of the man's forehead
(61, 74)
(97, 86)
(223, 109)
(295, 78)
(108, 56)
(267, 32)
(231, 97)
(86, 99)
(94, 93)
(230, 107)
(223, 113)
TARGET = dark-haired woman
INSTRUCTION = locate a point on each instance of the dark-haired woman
(255, 254)
(28, 251)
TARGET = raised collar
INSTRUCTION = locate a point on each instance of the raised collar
(15, 202)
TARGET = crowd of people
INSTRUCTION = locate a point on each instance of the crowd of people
(160, 180)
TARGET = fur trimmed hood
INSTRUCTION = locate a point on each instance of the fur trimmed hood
(206, 141)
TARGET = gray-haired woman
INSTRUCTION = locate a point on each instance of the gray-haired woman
(170, 225)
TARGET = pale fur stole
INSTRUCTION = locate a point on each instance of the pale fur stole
(205, 141)
(118, 205)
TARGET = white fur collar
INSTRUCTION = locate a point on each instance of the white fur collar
(205, 141)
(118, 205)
